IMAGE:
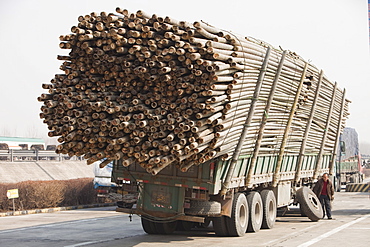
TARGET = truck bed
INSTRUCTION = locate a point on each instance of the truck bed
(210, 175)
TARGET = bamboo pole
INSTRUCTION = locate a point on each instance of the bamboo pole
(263, 122)
(238, 148)
(328, 119)
(276, 176)
(307, 130)
(335, 148)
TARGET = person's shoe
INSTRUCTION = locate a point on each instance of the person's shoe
(330, 218)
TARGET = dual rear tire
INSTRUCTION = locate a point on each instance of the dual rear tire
(238, 222)
(151, 227)
(256, 211)
(269, 209)
(249, 213)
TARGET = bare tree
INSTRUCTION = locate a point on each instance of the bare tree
(6, 131)
(32, 132)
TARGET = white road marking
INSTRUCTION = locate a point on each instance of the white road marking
(325, 235)
(86, 243)
(55, 224)
(291, 234)
(46, 225)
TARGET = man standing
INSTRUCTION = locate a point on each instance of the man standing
(324, 190)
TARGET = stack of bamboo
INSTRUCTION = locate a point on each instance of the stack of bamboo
(157, 91)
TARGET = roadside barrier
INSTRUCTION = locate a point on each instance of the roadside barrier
(358, 187)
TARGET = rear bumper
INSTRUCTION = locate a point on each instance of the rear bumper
(163, 217)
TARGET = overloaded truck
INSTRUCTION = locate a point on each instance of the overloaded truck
(203, 124)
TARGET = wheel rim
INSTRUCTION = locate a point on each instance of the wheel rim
(313, 201)
(243, 215)
(258, 213)
(271, 211)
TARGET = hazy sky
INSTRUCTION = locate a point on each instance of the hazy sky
(331, 34)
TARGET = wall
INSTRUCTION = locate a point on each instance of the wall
(13, 172)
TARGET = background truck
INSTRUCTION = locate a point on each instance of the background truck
(108, 191)
(349, 167)
(102, 181)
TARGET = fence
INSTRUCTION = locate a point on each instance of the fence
(33, 155)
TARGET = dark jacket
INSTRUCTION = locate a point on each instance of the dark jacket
(318, 188)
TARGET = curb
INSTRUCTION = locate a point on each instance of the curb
(51, 210)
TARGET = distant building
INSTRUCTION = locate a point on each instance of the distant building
(21, 143)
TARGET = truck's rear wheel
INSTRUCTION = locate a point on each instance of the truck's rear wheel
(269, 209)
(238, 222)
(220, 226)
(206, 223)
(148, 226)
(309, 203)
(184, 225)
(255, 211)
(165, 228)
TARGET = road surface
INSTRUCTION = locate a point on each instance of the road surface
(104, 227)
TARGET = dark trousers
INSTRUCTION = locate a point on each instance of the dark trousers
(326, 205)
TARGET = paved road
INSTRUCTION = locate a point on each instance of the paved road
(104, 227)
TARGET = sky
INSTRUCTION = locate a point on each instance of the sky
(331, 34)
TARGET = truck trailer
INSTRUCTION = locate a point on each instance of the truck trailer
(174, 198)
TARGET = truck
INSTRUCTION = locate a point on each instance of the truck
(351, 170)
(349, 165)
(108, 191)
(102, 180)
(202, 124)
